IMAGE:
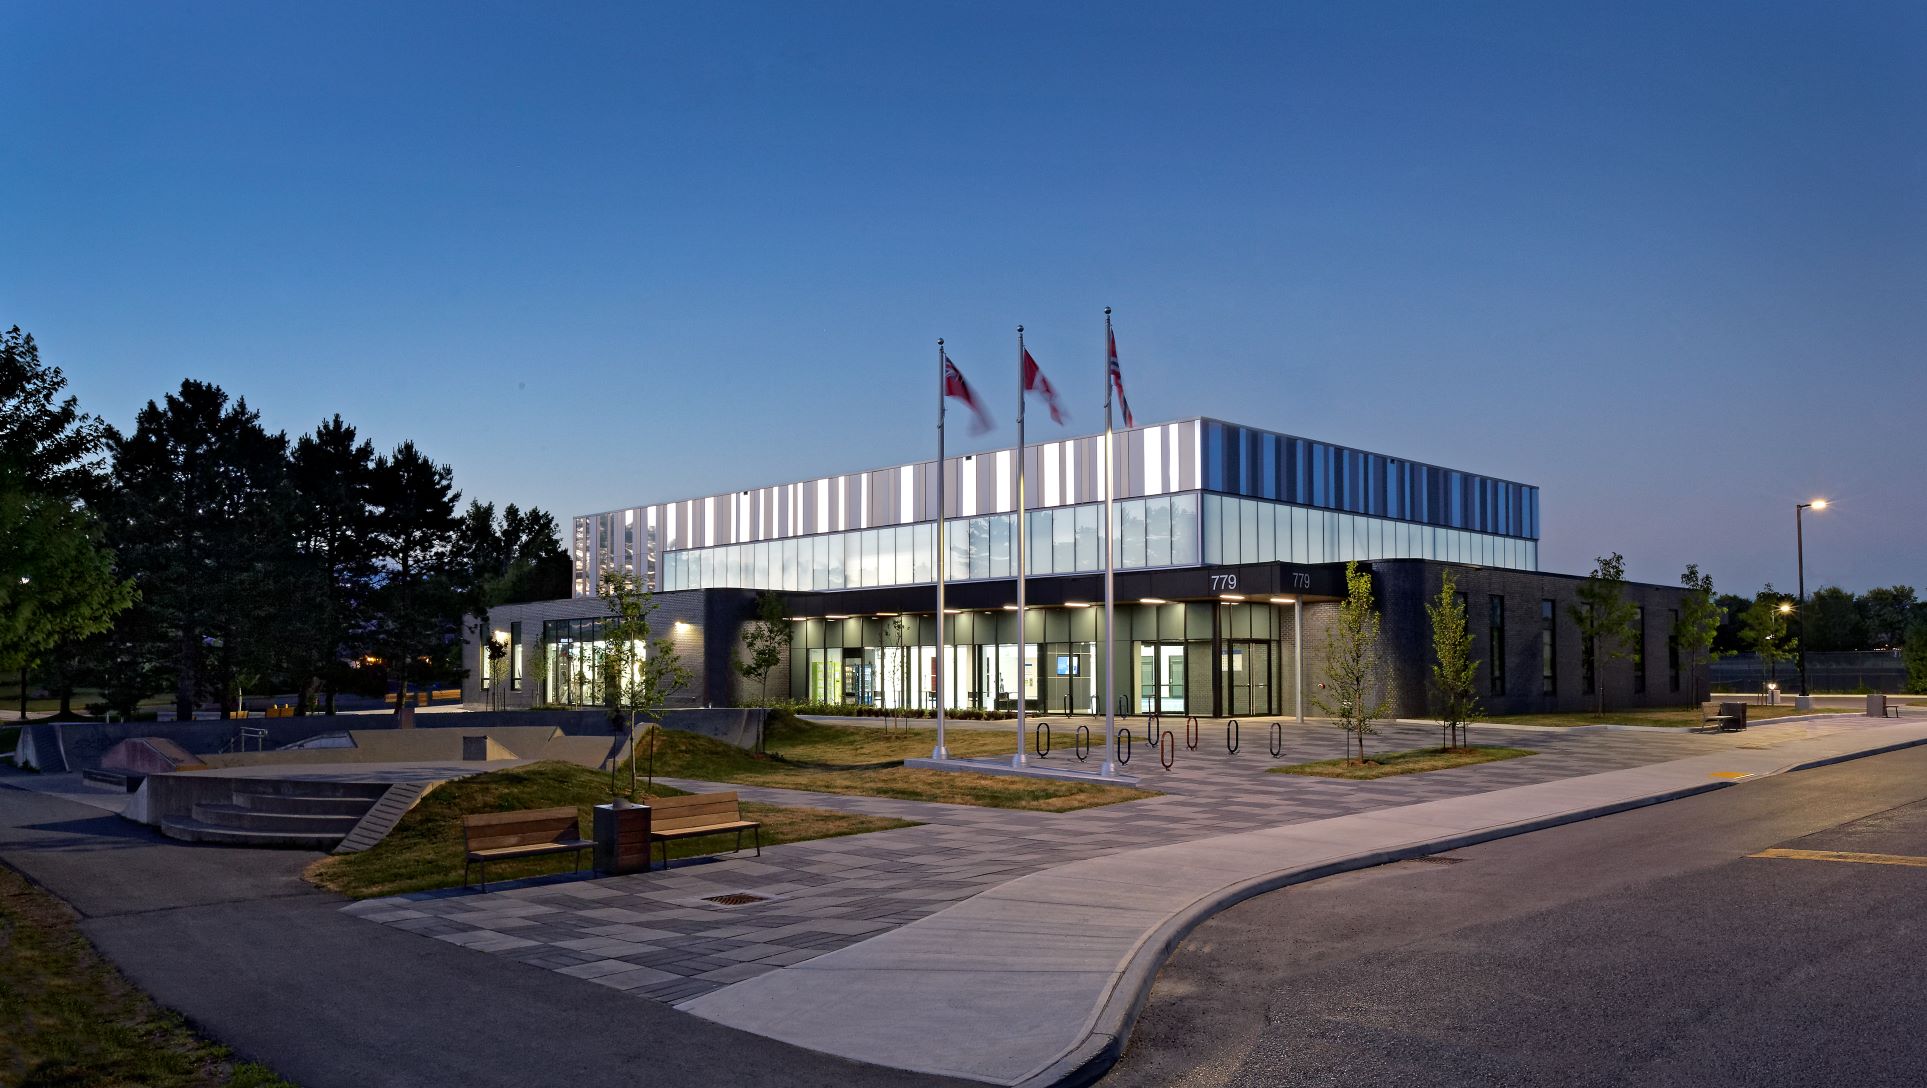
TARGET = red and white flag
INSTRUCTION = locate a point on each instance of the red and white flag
(1117, 376)
(1035, 382)
(955, 386)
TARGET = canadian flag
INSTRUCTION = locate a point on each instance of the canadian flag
(955, 386)
(1035, 382)
(1117, 377)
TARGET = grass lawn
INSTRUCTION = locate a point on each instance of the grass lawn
(866, 761)
(1678, 717)
(1416, 761)
(68, 1018)
(425, 848)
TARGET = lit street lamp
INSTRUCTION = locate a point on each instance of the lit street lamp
(1800, 553)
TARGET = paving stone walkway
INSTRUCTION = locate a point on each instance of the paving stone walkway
(660, 935)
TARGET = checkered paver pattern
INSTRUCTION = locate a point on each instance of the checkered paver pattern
(654, 935)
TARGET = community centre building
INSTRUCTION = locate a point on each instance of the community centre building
(1232, 544)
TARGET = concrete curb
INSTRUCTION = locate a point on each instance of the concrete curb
(1109, 1029)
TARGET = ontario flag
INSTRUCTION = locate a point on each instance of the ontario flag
(1035, 382)
(955, 386)
(1117, 376)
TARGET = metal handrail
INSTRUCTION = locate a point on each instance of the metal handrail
(1041, 739)
(1277, 739)
(1167, 749)
(1123, 749)
(1231, 736)
(1081, 743)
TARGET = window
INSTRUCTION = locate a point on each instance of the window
(515, 656)
(1672, 650)
(1495, 643)
(1639, 651)
(1548, 648)
(1588, 673)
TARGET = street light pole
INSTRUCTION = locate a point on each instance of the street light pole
(1800, 565)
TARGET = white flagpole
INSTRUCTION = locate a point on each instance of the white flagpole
(1023, 676)
(939, 752)
(1110, 550)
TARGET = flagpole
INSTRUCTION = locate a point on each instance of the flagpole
(939, 752)
(1020, 759)
(1110, 549)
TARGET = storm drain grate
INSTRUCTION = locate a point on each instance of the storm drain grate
(736, 899)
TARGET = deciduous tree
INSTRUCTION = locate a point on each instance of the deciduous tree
(1353, 697)
(1605, 620)
(764, 639)
(1694, 632)
(639, 672)
(1454, 669)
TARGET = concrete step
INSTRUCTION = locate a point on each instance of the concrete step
(304, 806)
(299, 787)
(196, 831)
(251, 819)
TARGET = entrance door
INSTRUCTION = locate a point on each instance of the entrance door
(1246, 669)
(1160, 677)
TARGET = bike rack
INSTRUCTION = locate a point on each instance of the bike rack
(1042, 739)
(1167, 749)
(1191, 732)
(1231, 739)
(1123, 751)
(1277, 739)
(1081, 743)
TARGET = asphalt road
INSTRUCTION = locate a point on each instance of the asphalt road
(1644, 948)
(236, 942)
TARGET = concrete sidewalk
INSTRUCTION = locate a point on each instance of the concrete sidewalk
(992, 990)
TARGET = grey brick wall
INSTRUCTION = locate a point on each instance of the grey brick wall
(1404, 586)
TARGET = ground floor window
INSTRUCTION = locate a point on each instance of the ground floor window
(574, 653)
(1205, 658)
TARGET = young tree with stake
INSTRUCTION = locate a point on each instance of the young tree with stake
(1351, 696)
(639, 674)
(765, 638)
(1700, 616)
(1454, 669)
(1605, 620)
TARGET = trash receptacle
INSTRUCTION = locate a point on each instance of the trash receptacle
(621, 839)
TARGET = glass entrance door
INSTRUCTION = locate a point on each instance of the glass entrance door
(1246, 669)
(1160, 677)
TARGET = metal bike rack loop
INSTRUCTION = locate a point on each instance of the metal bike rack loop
(1081, 742)
(1277, 739)
(1042, 738)
(1167, 749)
(1123, 746)
(1231, 739)
(1191, 732)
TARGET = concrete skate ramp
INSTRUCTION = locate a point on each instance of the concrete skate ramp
(149, 755)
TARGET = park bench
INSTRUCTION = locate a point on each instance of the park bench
(696, 815)
(1730, 719)
(496, 836)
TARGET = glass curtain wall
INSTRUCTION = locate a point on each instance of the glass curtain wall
(1160, 531)
(1239, 530)
(1204, 658)
(572, 655)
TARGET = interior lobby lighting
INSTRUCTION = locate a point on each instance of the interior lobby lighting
(1152, 600)
(953, 611)
(882, 615)
(836, 617)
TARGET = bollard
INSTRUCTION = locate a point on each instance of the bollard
(1231, 738)
(1277, 739)
(1167, 749)
(1081, 742)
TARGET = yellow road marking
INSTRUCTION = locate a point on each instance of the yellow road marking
(1732, 774)
(1844, 855)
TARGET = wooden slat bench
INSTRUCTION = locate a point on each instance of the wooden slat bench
(696, 815)
(496, 836)
(1730, 719)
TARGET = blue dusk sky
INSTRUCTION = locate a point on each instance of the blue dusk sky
(1666, 261)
